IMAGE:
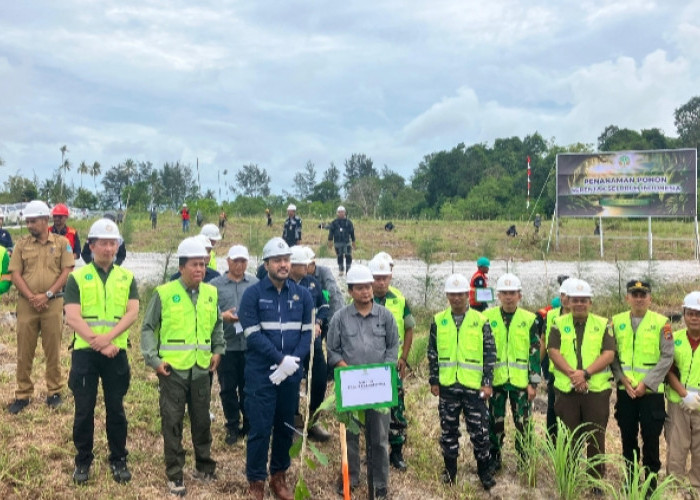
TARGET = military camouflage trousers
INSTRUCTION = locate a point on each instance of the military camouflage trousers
(397, 427)
(521, 409)
(460, 400)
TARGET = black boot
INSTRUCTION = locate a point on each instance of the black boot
(396, 458)
(449, 475)
(496, 464)
(485, 475)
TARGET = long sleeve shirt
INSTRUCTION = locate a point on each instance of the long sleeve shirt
(324, 275)
(230, 295)
(341, 232)
(534, 355)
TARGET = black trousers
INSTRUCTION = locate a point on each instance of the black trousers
(232, 383)
(647, 414)
(344, 253)
(87, 367)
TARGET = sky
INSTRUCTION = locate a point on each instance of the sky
(280, 83)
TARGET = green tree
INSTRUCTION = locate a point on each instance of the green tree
(252, 181)
(20, 188)
(95, 170)
(687, 122)
(357, 167)
(615, 138)
(305, 181)
(85, 199)
(325, 191)
(364, 194)
(83, 169)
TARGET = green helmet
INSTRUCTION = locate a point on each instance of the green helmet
(483, 262)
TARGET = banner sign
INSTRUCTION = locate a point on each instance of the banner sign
(659, 183)
(360, 387)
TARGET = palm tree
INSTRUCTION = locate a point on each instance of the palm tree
(83, 169)
(64, 150)
(64, 168)
(95, 170)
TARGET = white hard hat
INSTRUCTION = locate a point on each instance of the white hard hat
(204, 240)
(358, 275)
(341, 208)
(184, 204)
(104, 229)
(238, 252)
(36, 208)
(564, 286)
(578, 288)
(211, 232)
(385, 256)
(192, 247)
(692, 301)
(380, 267)
(299, 255)
(276, 247)
(310, 254)
(508, 283)
(457, 283)
(292, 206)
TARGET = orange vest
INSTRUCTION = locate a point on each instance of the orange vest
(472, 290)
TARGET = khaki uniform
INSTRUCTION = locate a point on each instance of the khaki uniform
(40, 265)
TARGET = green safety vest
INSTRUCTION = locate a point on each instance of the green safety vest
(551, 316)
(185, 330)
(397, 306)
(688, 364)
(460, 354)
(512, 346)
(639, 352)
(596, 326)
(212, 260)
(102, 305)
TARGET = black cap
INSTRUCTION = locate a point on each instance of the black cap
(638, 286)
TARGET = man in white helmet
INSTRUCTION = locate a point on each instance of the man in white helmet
(341, 235)
(275, 314)
(291, 233)
(40, 264)
(683, 393)
(212, 233)
(101, 303)
(324, 276)
(581, 346)
(209, 273)
(182, 339)
(392, 298)
(461, 356)
(185, 216)
(364, 332)
(517, 372)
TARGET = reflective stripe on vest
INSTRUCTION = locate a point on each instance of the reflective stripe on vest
(397, 306)
(639, 352)
(551, 316)
(688, 364)
(512, 346)
(460, 354)
(102, 305)
(596, 327)
(185, 330)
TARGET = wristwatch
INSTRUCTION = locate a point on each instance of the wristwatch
(586, 375)
(49, 294)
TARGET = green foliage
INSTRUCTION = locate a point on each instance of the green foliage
(18, 188)
(252, 181)
(639, 485)
(419, 352)
(85, 199)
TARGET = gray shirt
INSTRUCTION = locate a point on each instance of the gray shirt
(230, 293)
(360, 340)
(324, 275)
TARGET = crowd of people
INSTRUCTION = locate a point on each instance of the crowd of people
(260, 333)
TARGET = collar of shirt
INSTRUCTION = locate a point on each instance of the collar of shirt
(373, 312)
(62, 232)
(267, 283)
(101, 272)
(191, 291)
(244, 278)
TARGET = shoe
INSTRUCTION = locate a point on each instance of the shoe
(177, 488)
(81, 474)
(278, 485)
(54, 401)
(340, 273)
(205, 477)
(484, 471)
(380, 493)
(449, 474)
(18, 405)
(496, 464)
(318, 433)
(231, 438)
(120, 472)
(243, 431)
(256, 490)
(396, 459)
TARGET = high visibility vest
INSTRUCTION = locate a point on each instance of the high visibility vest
(102, 305)
(185, 330)
(512, 346)
(688, 364)
(396, 306)
(551, 316)
(460, 354)
(596, 327)
(212, 260)
(472, 288)
(70, 236)
(639, 352)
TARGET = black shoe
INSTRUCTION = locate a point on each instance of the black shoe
(396, 460)
(177, 488)
(487, 481)
(231, 438)
(18, 405)
(54, 401)
(243, 431)
(81, 474)
(496, 464)
(205, 477)
(120, 472)
(380, 493)
(448, 477)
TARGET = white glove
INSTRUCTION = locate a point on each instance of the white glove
(277, 376)
(289, 365)
(692, 400)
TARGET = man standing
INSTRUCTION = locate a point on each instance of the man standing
(222, 219)
(324, 276)
(582, 347)
(5, 236)
(341, 234)
(101, 303)
(182, 339)
(517, 373)
(86, 254)
(154, 217)
(479, 280)
(461, 356)
(683, 426)
(363, 333)
(275, 314)
(291, 233)
(40, 264)
(644, 355)
(185, 215)
(391, 298)
(211, 232)
(209, 273)
(537, 223)
(60, 216)
(230, 371)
